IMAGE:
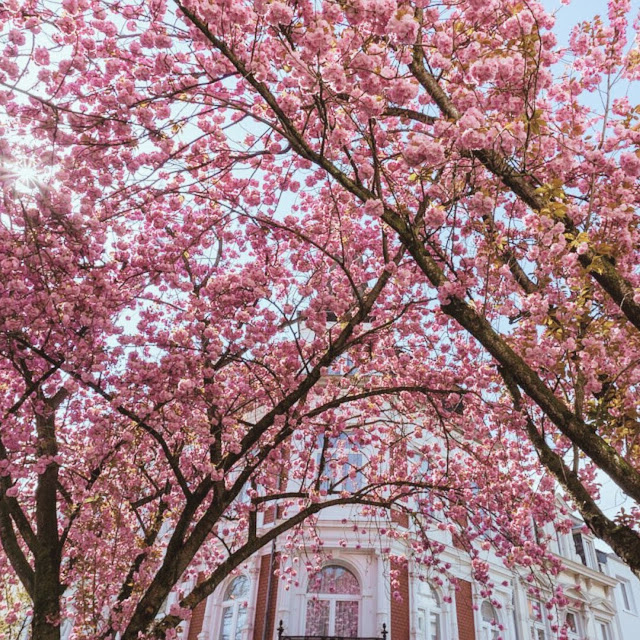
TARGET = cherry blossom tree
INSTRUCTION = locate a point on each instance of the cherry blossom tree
(171, 369)
(175, 369)
(460, 127)
(211, 209)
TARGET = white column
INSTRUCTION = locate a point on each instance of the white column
(383, 594)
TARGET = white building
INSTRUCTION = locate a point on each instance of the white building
(626, 595)
(362, 585)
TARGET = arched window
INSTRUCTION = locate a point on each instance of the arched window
(333, 605)
(234, 609)
(489, 623)
(429, 615)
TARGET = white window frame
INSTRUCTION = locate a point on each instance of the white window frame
(235, 605)
(626, 596)
(578, 634)
(604, 629)
(489, 629)
(537, 624)
(429, 609)
(346, 476)
(333, 598)
(588, 547)
(565, 545)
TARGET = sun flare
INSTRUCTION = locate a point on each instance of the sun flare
(22, 176)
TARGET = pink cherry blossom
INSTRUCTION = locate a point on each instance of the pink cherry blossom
(234, 232)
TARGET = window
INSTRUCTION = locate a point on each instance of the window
(535, 610)
(536, 621)
(604, 630)
(584, 549)
(234, 609)
(342, 464)
(626, 595)
(579, 547)
(343, 365)
(573, 622)
(601, 558)
(563, 541)
(488, 621)
(429, 616)
(333, 605)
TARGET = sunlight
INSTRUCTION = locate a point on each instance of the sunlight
(23, 176)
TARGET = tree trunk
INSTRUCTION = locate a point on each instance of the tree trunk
(47, 588)
(46, 611)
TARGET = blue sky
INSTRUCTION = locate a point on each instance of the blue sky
(576, 11)
(612, 498)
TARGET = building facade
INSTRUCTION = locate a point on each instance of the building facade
(362, 580)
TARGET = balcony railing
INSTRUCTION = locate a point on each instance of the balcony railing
(283, 636)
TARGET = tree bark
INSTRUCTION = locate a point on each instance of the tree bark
(46, 585)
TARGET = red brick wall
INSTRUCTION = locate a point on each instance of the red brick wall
(464, 610)
(269, 515)
(458, 542)
(262, 615)
(400, 517)
(400, 616)
(197, 619)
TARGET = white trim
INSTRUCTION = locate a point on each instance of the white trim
(604, 629)
(334, 598)
(426, 610)
(624, 593)
(219, 605)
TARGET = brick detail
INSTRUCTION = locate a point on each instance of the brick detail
(197, 620)
(464, 611)
(262, 615)
(400, 517)
(269, 515)
(458, 543)
(400, 611)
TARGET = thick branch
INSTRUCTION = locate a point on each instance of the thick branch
(622, 538)
(599, 266)
(605, 456)
(12, 548)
